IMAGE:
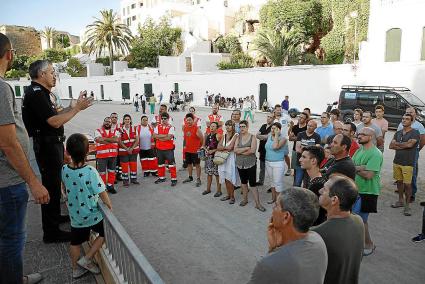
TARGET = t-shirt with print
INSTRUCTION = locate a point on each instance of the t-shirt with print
(296, 129)
(83, 186)
(406, 157)
(371, 158)
(9, 115)
(306, 140)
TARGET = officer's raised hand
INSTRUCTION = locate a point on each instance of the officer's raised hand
(83, 101)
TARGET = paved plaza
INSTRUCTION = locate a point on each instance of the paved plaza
(190, 238)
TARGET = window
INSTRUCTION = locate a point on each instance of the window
(393, 45)
(225, 3)
(392, 101)
(133, 18)
(367, 99)
(133, 6)
(128, 21)
(423, 45)
(141, 4)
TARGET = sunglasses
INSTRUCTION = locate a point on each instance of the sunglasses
(164, 118)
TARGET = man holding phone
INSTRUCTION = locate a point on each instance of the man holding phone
(44, 123)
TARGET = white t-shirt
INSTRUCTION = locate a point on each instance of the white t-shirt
(284, 120)
(145, 138)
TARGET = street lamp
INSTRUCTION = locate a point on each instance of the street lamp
(354, 16)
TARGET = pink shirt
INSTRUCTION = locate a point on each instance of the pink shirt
(381, 123)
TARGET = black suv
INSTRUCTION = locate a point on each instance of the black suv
(395, 100)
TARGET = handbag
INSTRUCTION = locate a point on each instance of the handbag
(220, 157)
(202, 155)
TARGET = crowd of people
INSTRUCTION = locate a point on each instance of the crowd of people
(319, 224)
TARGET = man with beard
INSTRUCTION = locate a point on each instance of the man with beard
(342, 163)
(214, 116)
(45, 124)
(368, 160)
(106, 153)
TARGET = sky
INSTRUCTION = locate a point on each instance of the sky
(64, 15)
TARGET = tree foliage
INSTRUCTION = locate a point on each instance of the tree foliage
(62, 41)
(49, 34)
(339, 42)
(105, 60)
(237, 61)
(53, 55)
(108, 34)
(278, 46)
(155, 40)
(228, 44)
(75, 68)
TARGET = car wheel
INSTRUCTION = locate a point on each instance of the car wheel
(349, 117)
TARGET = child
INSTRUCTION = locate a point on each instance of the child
(84, 187)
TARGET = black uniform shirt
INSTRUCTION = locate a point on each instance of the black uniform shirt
(37, 108)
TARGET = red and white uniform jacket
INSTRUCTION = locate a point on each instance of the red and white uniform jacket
(128, 136)
(215, 118)
(106, 150)
(165, 129)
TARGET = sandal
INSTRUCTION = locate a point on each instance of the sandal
(367, 252)
(232, 201)
(271, 201)
(261, 208)
(398, 204)
(218, 194)
(206, 192)
(225, 198)
(243, 203)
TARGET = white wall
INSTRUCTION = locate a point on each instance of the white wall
(95, 69)
(205, 62)
(119, 66)
(307, 86)
(408, 15)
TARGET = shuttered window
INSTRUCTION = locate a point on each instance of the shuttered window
(393, 45)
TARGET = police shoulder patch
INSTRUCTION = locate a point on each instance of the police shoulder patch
(36, 88)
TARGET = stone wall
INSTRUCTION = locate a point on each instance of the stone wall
(26, 40)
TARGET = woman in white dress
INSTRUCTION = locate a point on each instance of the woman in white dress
(227, 171)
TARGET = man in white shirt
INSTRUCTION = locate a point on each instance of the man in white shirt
(143, 100)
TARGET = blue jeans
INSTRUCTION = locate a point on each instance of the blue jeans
(358, 211)
(13, 208)
(415, 174)
(299, 175)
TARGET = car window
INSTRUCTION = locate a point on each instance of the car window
(350, 96)
(391, 100)
(367, 98)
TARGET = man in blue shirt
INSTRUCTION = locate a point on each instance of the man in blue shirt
(418, 126)
(326, 129)
(285, 103)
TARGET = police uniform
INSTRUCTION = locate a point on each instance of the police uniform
(38, 106)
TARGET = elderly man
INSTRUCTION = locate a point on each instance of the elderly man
(15, 171)
(343, 232)
(405, 143)
(297, 255)
(304, 139)
(367, 122)
(418, 126)
(342, 163)
(45, 124)
(338, 128)
(368, 160)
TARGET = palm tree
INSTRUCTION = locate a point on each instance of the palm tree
(109, 34)
(278, 46)
(49, 34)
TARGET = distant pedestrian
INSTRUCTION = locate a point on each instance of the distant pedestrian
(84, 186)
(297, 255)
(143, 102)
(136, 102)
(152, 102)
(206, 98)
(285, 104)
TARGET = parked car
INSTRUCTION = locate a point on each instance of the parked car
(394, 99)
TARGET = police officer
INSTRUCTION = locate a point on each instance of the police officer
(44, 122)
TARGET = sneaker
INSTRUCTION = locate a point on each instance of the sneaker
(198, 182)
(173, 183)
(419, 238)
(111, 189)
(160, 180)
(145, 174)
(154, 174)
(32, 278)
(189, 179)
(288, 172)
(78, 272)
(89, 265)
(134, 181)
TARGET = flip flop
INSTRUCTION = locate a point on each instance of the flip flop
(261, 208)
(367, 252)
(232, 201)
(206, 192)
(398, 204)
(225, 198)
(243, 203)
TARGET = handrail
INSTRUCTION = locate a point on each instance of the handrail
(132, 264)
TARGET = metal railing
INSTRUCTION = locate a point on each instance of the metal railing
(130, 264)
